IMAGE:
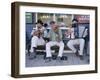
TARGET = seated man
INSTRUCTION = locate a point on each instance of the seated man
(37, 37)
(76, 40)
(55, 36)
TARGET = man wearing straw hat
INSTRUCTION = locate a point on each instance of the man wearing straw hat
(55, 36)
(76, 40)
(37, 37)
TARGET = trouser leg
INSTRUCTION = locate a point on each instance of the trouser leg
(33, 47)
(61, 48)
(34, 42)
(70, 44)
(88, 48)
(40, 41)
(48, 49)
(82, 42)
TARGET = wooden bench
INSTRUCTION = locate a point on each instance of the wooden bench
(41, 50)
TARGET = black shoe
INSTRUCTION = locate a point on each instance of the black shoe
(76, 53)
(81, 57)
(64, 58)
(48, 59)
(54, 57)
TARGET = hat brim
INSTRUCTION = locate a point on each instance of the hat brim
(38, 22)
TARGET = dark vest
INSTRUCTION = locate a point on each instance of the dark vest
(76, 30)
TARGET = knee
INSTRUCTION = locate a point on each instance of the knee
(47, 44)
(69, 43)
(62, 44)
(82, 41)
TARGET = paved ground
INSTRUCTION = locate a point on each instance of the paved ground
(72, 60)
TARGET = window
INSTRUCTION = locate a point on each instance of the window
(29, 17)
(45, 17)
(63, 19)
